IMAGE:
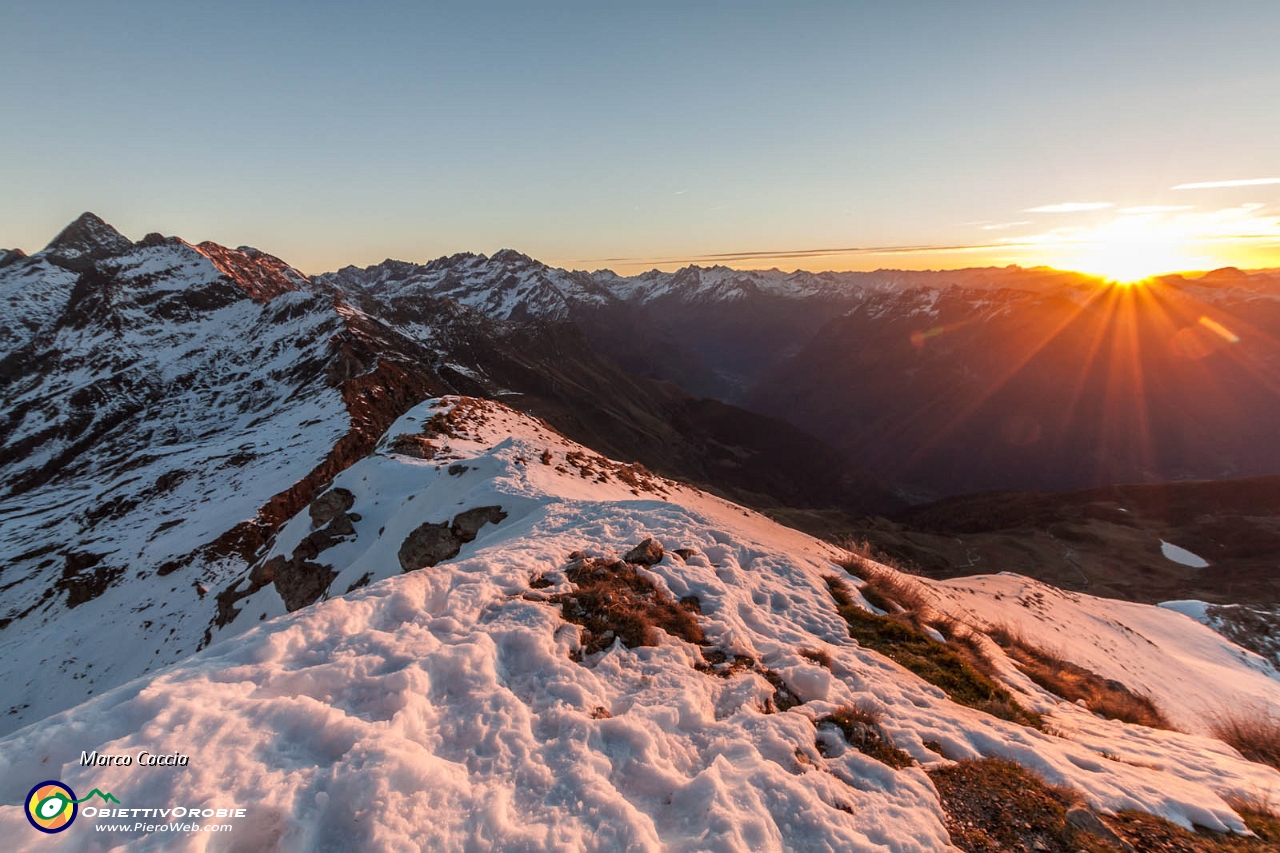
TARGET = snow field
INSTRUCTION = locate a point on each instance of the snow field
(439, 709)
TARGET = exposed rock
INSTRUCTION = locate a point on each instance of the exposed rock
(343, 525)
(84, 578)
(11, 257)
(300, 582)
(466, 525)
(408, 444)
(315, 542)
(297, 579)
(361, 581)
(428, 545)
(326, 507)
(264, 573)
(82, 242)
(435, 542)
(153, 239)
(263, 277)
(647, 553)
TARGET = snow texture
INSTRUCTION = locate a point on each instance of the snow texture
(1182, 556)
(440, 708)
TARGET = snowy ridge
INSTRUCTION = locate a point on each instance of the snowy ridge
(507, 286)
(444, 704)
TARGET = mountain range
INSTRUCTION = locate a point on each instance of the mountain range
(377, 518)
(167, 405)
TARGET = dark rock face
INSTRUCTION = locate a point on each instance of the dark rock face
(84, 578)
(428, 545)
(466, 525)
(298, 579)
(84, 241)
(300, 582)
(435, 542)
(647, 553)
(329, 505)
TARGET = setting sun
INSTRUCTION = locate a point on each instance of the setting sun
(1138, 243)
(1129, 249)
(1131, 252)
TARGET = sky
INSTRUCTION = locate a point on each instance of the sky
(818, 136)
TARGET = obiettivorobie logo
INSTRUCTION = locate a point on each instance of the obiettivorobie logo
(52, 806)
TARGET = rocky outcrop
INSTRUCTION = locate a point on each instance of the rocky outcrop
(298, 578)
(301, 582)
(85, 241)
(84, 577)
(647, 553)
(330, 505)
(435, 542)
(263, 277)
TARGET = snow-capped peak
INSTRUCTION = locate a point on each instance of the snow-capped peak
(88, 238)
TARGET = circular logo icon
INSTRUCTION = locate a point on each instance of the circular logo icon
(51, 806)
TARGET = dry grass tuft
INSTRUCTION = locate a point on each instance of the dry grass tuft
(1262, 818)
(1073, 682)
(885, 582)
(901, 640)
(718, 663)
(818, 656)
(861, 728)
(1255, 733)
(613, 601)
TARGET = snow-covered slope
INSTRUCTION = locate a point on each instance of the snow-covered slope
(506, 286)
(445, 703)
(156, 408)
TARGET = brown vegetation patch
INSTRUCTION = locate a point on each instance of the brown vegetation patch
(1073, 682)
(613, 601)
(861, 728)
(941, 664)
(1146, 833)
(819, 656)
(416, 446)
(995, 805)
(720, 664)
(633, 475)
(884, 583)
(1254, 733)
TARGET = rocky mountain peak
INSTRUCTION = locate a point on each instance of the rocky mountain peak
(85, 240)
(262, 276)
(511, 257)
(10, 256)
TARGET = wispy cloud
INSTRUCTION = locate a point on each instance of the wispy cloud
(1173, 237)
(796, 254)
(1000, 226)
(1156, 208)
(1215, 185)
(1070, 207)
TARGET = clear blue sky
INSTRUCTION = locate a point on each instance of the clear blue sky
(346, 133)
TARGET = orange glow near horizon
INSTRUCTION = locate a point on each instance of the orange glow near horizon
(1129, 249)
(1123, 246)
